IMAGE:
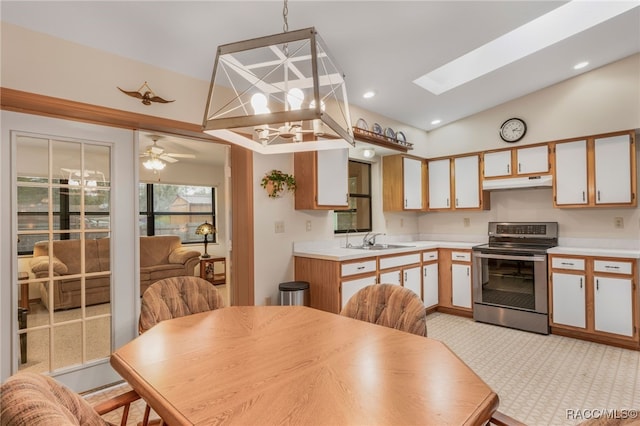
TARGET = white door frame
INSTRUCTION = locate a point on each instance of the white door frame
(124, 233)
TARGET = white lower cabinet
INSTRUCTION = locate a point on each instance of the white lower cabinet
(613, 307)
(430, 284)
(407, 277)
(412, 279)
(391, 277)
(569, 301)
(351, 287)
(461, 285)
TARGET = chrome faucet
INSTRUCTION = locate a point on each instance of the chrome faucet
(347, 243)
(370, 239)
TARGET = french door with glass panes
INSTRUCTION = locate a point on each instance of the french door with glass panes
(64, 295)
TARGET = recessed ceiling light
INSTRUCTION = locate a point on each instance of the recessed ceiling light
(580, 65)
(434, 122)
(369, 94)
(542, 32)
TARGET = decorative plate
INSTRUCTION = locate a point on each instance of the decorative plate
(401, 138)
(377, 129)
(388, 132)
(361, 124)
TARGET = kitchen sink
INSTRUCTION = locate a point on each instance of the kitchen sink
(378, 247)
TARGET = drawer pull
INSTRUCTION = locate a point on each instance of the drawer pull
(567, 264)
(611, 267)
(360, 267)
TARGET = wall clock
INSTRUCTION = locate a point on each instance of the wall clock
(513, 130)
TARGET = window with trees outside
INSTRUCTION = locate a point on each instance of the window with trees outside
(176, 210)
(357, 218)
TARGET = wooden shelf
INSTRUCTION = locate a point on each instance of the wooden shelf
(380, 140)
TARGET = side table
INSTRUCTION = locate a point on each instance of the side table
(209, 271)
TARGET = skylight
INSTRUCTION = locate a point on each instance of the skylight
(546, 30)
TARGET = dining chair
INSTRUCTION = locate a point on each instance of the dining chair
(177, 297)
(389, 305)
(32, 399)
(173, 298)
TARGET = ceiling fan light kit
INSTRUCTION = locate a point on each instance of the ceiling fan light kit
(157, 158)
(267, 93)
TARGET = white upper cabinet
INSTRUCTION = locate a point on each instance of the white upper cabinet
(515, 162)
(613, 170)
(467, 182)
(532, 160)
(596, 172)
(333, 169)
(497, 164)
(321, 179)
(439, 184)
(403, 183)
(412, 182)
(571, 173)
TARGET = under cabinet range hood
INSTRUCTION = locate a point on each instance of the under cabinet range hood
(543, 181)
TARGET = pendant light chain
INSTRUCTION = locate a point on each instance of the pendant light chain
(285, 12)
(285, 26)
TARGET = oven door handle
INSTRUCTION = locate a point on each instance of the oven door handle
(535, 258)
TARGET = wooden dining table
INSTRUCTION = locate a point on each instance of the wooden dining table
(263, 365)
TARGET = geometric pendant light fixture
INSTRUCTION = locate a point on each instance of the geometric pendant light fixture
(279, 93)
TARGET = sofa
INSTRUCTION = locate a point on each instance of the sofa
(161, 256)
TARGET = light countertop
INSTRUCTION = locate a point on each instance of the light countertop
(592, 251)
(342, 253)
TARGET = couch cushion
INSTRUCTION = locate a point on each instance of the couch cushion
(68, 251)
(155, 250)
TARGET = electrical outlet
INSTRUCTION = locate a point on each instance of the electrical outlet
(308, 225)
(401, 223)
(267, 301)
(467, 222)
(279, 227)
(618, 222)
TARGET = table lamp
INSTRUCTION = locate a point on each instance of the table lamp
(205, 229)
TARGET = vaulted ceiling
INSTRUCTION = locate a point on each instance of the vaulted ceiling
(381, 45)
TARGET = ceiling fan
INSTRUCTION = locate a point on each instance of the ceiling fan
(156, 157)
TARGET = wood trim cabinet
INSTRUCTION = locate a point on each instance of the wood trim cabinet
(321, 179)
(454, 282)
(430, 278)
(594, 298)
(515, 162)
(454, 184)
(403, 183)
(401, 269)
(596, 171)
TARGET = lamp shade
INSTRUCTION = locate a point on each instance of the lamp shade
(265, 94)
(205, 229)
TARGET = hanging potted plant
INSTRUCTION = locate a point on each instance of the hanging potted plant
(276, 182)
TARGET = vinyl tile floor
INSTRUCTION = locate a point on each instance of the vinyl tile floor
(541, 380)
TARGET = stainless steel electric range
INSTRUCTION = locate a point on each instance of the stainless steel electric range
(510, 275)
